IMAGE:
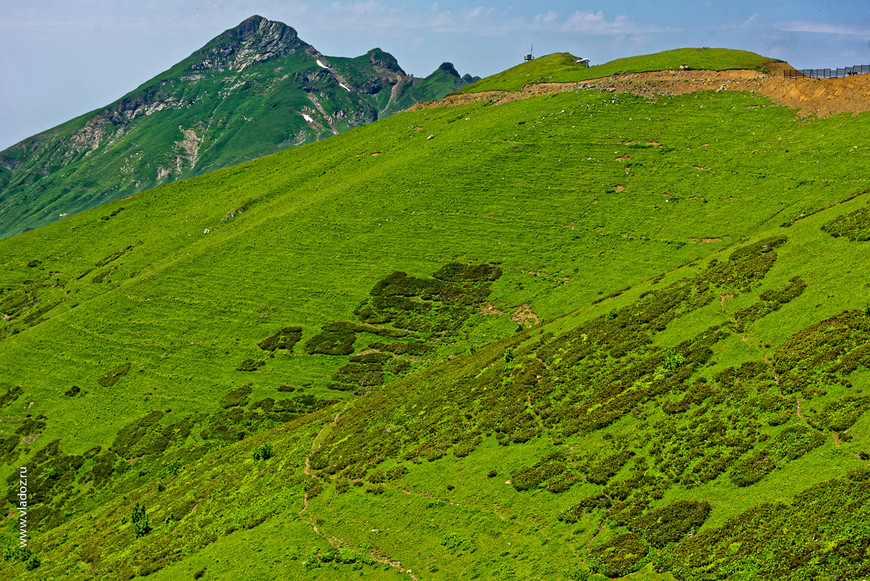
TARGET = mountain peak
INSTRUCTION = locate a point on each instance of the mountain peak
(257, 24)
(449, 68)
(254, 40)
(384, 60)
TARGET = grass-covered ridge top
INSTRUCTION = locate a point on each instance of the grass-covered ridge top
(563, 67)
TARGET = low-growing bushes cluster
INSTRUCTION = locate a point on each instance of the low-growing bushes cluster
(820, 534)
(619, 556)
(239, 418)
(670, 523)
(854, 225)
(583, 381)
(771, 300)
(552, 472)
(286, 338)
(402, 306)
(790, 444)
(250, 365)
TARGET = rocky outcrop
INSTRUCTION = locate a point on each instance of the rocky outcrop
(253, 41)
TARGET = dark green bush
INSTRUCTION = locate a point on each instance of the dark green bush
(140, 520)
(286, 338)
(263, 452)
(549, 468)
(670, 523)
(250, 365)
(237, 397)
(112, 377)
(10, 395)
(854, 225)
(607, 468)
(360, 374)
(619, 556)
(102, 276)
(458, 272)
(373, 357)
(334, 339)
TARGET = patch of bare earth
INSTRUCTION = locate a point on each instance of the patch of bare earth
(525, 316)
(820, 97)
(490, 309)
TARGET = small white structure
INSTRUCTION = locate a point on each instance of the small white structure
(529, 56)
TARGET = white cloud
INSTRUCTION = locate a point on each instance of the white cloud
(822, 28)
(587, 22)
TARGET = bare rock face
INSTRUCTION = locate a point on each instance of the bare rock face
(254, 40)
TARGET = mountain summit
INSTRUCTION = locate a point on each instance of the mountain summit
(253, 90)
(254, 40)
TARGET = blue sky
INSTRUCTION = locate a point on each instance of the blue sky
(61, 58)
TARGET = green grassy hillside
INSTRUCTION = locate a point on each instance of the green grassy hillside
(570, 337)
(253, 90)
(563, 67)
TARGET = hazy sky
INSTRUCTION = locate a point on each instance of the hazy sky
(63, 58)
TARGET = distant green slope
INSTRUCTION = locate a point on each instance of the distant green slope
(564, 68)
(434, 87)
(253, 90)
(552, 338)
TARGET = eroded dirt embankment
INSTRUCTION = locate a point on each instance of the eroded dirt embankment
(820, 97)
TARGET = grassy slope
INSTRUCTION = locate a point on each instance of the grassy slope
(235, 115)
(542, 187)
(561, 67)
(433, 87)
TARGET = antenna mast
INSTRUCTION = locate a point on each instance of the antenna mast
(529, 56)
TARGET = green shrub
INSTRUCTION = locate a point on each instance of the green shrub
(141, 523)
(790, 444)
(112, 377)
(263, 452)
(371, 358)
(456, 543)
(362, 374)
(334, 339)
(854, 225)
(458, 272)
(550, 468)
(237, 397)
(286, 338)
(102, 276)
(671, 360)
(619, 556)
(33, 562)
(250, 365)
(670, 523)
(607, 468)
(10, 395)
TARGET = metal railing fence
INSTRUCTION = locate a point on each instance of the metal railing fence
(827, 73)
